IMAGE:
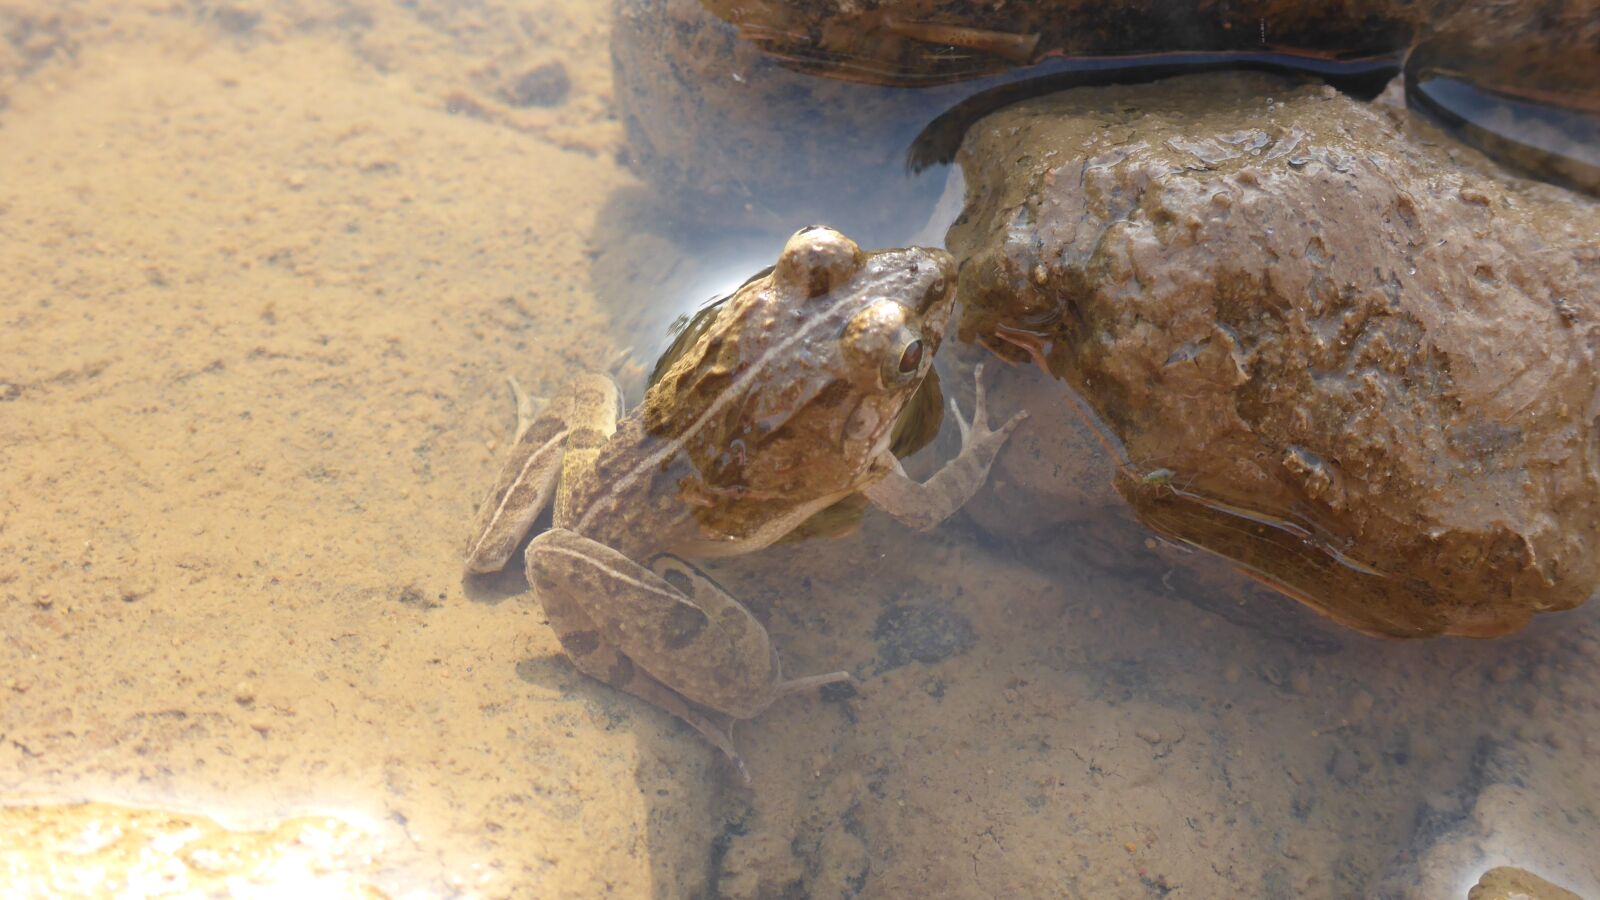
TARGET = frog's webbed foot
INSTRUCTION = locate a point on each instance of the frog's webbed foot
(526, 482)
(715, 727)
(666, 633)
(593, 656)
(924, 505)
(525, 407)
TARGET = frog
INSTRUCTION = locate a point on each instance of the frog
(776, 405)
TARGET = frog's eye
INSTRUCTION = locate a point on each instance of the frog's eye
(911, 357)
(906, 364)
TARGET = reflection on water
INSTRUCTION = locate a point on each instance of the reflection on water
(1544, 139)
(99, 849)
(268, 265)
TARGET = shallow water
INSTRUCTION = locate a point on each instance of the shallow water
(267, 265)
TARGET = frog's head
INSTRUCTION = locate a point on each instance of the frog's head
(792, 385)
(876, 321)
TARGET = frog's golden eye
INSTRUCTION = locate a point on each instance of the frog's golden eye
(935, 293)
(911, 357)
(907, 364)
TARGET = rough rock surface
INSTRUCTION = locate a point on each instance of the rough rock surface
(1548, 44)
(1512, 883)
(1357, 364)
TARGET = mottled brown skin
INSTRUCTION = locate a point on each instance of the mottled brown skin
(1367, 368)
(782, 403)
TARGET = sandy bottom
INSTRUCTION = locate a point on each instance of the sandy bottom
(265, 265)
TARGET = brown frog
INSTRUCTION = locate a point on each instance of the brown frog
(780, 403)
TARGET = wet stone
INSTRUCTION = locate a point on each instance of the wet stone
(1350, 370)
(235, 19)
(1512, 883)
(546, 85)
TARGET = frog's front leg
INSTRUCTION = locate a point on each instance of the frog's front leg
(616, 617)
(923, 505)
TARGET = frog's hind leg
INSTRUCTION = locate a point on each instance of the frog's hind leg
(710, 597)
(523, 488)
(673, 622)
(545, 455)
(525, 416)
(592, 655)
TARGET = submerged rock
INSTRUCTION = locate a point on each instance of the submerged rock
(1354, 363)
(1546, 43)
(1512, 883)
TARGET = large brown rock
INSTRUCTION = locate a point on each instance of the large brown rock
(1357, 364)
(1550, 44)
(1512, 883)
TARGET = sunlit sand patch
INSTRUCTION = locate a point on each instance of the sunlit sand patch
(102, 849)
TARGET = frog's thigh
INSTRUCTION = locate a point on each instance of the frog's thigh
(706, 647)
(593, 656)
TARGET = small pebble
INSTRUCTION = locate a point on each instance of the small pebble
(1149, 735)
(1300, 681)
(1360, 707)
(546, 85)
(244, 693)
(1343, 766)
